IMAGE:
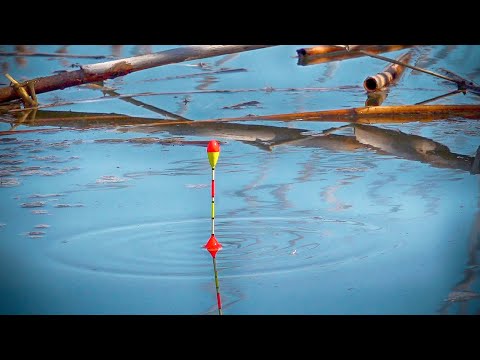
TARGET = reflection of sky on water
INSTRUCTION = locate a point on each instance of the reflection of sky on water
(122, 222)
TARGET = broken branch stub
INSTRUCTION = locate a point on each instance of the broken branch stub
(389, 76)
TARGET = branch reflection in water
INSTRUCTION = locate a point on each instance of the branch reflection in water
(381, 140)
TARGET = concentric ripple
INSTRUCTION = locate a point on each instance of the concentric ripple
(251, 246)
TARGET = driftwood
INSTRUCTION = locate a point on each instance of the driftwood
(351, 51)
(390, 75)
(317, 50)
(362, 115)
(375, 114)
(326, 53)
(112, 69)
(335, 50)
(462, 83)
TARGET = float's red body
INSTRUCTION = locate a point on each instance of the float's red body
(213, 245)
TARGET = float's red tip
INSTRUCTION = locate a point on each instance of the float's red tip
(213, 245)
(213, 146)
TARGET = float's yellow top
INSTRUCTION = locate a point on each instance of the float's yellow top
(213, 152)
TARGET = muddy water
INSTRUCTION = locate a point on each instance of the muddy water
(110, 220)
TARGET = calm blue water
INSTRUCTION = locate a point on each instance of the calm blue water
(92, 222)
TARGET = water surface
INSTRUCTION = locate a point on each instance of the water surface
(110, 220)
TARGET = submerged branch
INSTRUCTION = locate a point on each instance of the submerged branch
(440, 97)
(112, 93)
(191, 92)
(204, 73)
(62, 55)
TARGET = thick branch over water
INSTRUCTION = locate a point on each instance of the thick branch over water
(112, 69)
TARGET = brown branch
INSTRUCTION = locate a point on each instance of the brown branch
(462, 83)
(364, 115)
(407, 146)
(112, 69)
(376, 114)
(327, 53)
(317, 50)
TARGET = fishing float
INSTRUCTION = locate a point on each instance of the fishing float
(212, 245)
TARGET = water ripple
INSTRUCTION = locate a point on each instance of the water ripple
(257, 245)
